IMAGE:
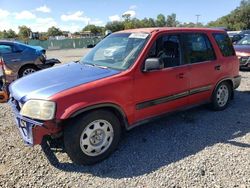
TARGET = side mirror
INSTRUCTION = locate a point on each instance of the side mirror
(152, 64)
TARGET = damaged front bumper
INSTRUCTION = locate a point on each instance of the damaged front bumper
(24, 125)
(47, 63)
(33, 131)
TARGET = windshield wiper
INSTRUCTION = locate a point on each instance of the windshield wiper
(95, 65)
(91, 64)
(100, 66)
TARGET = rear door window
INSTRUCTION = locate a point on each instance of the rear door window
(198, 48)
(225, 44)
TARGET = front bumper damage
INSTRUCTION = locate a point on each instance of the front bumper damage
(48, 63)
(24, 125)
(32, 131)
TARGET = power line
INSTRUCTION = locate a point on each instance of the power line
(197, 18)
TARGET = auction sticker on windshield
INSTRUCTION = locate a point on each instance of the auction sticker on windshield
(138, 35)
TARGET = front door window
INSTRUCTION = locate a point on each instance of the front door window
(168, 49)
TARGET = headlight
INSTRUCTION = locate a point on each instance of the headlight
(39, 109)
(43, 58)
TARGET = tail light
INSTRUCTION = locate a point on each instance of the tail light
(1, 63)
(4, 69)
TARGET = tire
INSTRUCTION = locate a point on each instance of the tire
(26, 70)
(92, 137)
(221, 96)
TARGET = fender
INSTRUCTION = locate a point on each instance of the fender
(225, 79)
(113, 106)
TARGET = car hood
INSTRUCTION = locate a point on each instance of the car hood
(46, 83)
(242, 49)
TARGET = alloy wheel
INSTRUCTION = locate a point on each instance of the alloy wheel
(96, 137)
(28, 71)
(222, 95)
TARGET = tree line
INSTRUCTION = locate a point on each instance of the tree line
(238, 19)
(127, 23)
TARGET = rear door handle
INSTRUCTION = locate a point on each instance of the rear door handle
(217, 67)
(181, 75)
(15, 60)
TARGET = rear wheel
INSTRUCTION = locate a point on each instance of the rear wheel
(221, 96)
(93, 137)
(26, 70)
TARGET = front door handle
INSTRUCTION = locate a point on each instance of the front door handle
(217, 67)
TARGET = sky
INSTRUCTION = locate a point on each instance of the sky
(73, 15)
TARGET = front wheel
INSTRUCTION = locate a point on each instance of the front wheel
(93, 137)
(24, 71)
(221, 96)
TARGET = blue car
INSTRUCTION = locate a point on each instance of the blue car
(21, 59)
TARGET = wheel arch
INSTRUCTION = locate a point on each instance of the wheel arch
(117, 110)
(228, 80)
(26, 65)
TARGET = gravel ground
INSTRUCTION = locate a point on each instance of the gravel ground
(195, 148)
(68, 55)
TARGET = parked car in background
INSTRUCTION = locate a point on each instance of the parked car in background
(232, 33)
(245, 32)
(21, 59)
(242, 49)
(237, 37)
(90, 102)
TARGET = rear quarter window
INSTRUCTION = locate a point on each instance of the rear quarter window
(5, 49)
(225, 44)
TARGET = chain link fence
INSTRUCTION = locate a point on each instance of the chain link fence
(65, 43)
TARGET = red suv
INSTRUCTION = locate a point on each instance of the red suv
(129, 78)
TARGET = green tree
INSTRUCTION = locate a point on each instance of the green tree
(11, 33)
(53, 31)
(3, 34)
(147, 22)
(126, 17)
(115, 26)
(94, 29)
(171, 21)
(132, 24)
(24, 32)
(161, 20)
(190, 24)
(238, 19)
(76, 33)
(151, 22)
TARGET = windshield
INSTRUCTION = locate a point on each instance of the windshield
(244, 41)
(117, 51)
